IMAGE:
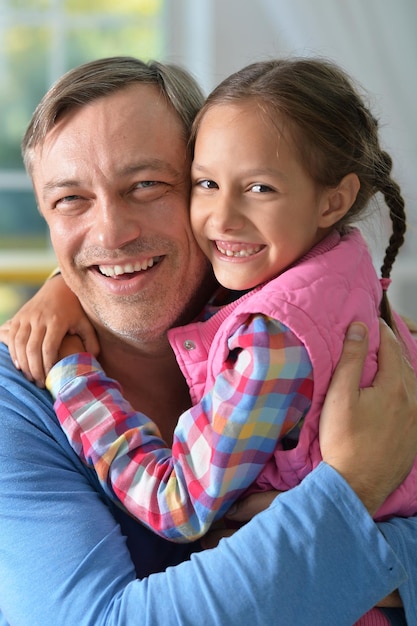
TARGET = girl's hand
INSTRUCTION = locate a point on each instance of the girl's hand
(34, 335)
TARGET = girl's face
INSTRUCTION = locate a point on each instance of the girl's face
(254, 209)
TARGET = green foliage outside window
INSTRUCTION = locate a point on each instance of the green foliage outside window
(39, 41)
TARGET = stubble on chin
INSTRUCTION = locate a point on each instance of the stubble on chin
(175, 298)
(138, 319)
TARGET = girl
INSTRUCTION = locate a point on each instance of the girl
(285, 157)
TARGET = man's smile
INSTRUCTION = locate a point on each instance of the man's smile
(128, 268)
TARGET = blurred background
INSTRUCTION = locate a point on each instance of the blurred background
(374, 40)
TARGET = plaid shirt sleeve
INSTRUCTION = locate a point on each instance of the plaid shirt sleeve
(220, 445)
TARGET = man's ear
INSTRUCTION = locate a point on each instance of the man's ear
(339, 200)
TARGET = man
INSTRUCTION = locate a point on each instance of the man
(107, 153)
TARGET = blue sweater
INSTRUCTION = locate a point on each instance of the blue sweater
(68, 557)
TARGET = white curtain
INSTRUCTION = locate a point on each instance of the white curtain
(374, 40)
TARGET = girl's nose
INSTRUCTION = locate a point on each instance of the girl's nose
(227, 215)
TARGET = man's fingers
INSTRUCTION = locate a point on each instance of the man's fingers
(349, 369)
(390, 356)
(343, 392)
(361, 428)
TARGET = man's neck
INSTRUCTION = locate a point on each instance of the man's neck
(151, 380)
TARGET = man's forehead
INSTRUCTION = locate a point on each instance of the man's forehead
(121, 130)
(138, 107)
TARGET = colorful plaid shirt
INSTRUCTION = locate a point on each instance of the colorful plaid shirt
(220, 445)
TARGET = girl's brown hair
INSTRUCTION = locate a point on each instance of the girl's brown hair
(334, 131)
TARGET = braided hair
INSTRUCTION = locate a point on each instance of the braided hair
(334, 131)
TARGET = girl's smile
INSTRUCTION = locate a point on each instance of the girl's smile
(254, 208)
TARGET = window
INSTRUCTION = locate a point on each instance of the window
(39, 41)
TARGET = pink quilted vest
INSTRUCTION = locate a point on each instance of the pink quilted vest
(332, 285)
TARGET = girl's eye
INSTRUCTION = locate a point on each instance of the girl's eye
(207, 184)
(259, 188)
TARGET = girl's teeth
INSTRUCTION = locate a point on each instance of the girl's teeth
(243, 252)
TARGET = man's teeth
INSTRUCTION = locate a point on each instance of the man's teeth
(242, 252)
(129, 268)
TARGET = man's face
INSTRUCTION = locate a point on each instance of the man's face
(112, 181)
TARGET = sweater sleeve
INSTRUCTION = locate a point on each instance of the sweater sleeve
(401, 533)
(64, 559)
(220, 445)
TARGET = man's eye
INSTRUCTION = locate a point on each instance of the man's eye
(259, 188)
(71, 204)
(67, 201)
(71, 198)
(145, 184)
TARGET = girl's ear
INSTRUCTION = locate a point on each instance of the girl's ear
(339, 200)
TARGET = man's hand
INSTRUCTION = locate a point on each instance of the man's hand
(361, 428)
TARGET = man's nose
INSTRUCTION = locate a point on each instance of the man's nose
(115, 224)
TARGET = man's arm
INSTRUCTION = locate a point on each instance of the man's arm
(376, 408)
(390, 400)
(65, 561)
